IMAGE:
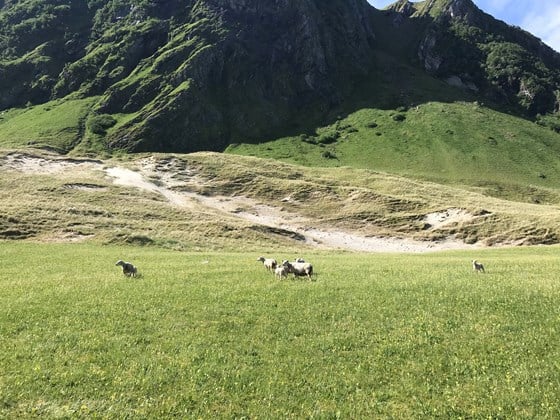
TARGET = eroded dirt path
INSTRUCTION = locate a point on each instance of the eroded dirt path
(252, 211)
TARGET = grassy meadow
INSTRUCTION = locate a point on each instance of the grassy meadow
(202, 335)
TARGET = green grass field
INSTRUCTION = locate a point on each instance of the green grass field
(203, 335)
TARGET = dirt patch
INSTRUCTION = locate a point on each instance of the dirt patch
(274, 219)
(84, 187)
(45, 165)
(447, 217)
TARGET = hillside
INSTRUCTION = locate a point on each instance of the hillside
(378, 121)
(200, 75)
(211, 201)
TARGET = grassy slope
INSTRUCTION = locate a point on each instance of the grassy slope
(58, 125)
(204, 334)
(446, 135)
(457, 143)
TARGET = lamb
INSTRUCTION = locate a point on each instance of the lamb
(269, 263)
(299, 268)
(281, 271)
(478, 267)
(128, 269)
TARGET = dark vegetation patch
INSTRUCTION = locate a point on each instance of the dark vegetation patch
(278, 231)
(84, 186)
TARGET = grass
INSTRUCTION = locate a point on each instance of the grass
(57, 125)
(212, 334)
(435, 141)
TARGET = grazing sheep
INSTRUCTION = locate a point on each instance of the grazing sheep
(281, 271)
(299, 269)
(269, 263)
(127, 268)
(478, 267)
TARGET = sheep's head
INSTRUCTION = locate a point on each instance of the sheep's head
(261, 259)
(120, 262)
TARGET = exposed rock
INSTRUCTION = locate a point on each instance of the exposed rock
(458, 82)
(428, 54)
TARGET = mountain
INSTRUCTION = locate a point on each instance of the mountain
(471, 49)
(188, 75)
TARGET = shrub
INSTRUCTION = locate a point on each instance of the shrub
(328, 155)
(399, 117)
(100, 123)
(550, 121)
(328, 138)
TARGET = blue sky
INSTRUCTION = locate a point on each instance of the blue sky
(540, 17)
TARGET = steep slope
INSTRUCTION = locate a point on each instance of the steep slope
(472, 50)
(186, 75)
(191, 75)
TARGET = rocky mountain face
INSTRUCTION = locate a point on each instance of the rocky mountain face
(187, 75)
(472, 50)
(241, 70)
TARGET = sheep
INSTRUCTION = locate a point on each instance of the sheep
(128, 269)
(300, 260)
(269, 263)
(477, 267)
(281, 271)
(299, 268)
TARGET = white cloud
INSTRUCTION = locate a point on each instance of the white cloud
(495, 6)
(544, 22)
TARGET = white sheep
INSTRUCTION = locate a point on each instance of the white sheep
(281, 271)
(269, 263)
(478, 267)
(299, 268)
(128, 269)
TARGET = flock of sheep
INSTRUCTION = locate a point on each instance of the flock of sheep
(299, 268)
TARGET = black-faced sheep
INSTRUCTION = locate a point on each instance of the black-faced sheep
(478, 267)
(269, 263)
(127, 268)
(299, 269)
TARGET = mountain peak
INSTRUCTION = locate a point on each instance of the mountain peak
(454, 9)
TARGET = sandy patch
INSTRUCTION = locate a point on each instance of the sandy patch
(40, 165)
(275, 217)
(447, 217)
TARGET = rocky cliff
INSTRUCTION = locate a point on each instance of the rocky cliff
(471, 49)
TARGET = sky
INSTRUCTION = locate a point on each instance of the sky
(539, 17)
